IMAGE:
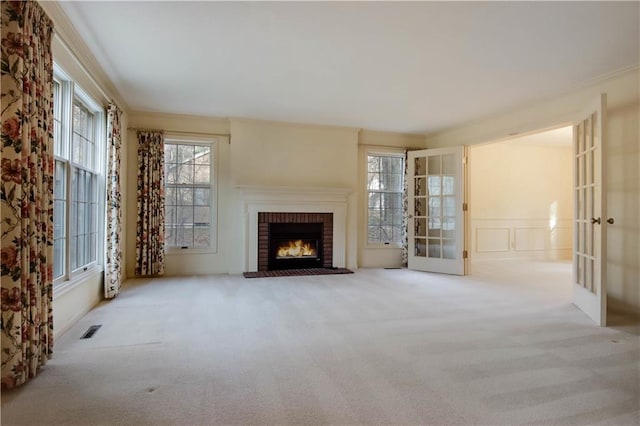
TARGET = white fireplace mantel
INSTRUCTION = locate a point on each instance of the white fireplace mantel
(279, 199)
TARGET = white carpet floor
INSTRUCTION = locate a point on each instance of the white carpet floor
(501, 347)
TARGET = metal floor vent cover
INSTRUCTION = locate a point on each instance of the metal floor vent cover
(91, 331)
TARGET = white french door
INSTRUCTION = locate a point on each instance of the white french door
(436, 215)
(589, 257)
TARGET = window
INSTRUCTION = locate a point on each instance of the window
(385, 178)
(189, 194)
(78, 179)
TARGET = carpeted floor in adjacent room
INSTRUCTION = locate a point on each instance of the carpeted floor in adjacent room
(501, 347)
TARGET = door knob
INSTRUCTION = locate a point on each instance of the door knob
(594, 220)
(610, 221)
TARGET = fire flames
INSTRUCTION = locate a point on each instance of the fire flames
(296, 248)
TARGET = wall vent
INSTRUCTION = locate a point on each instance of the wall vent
(91, 331)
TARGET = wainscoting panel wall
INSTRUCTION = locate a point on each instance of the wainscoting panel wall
(521, 238)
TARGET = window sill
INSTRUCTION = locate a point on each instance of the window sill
(177, 251)
(383, 246)
(78, 280)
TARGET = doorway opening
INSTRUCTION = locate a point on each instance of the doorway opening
(520, 194)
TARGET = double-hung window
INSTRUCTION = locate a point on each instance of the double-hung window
(79, 133)
(385, 178)
(190, 194)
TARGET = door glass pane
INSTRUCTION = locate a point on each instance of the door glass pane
(448, 249)
(589, 211)
(434, 165)
(449, 164)
(420, 247)
(448, 206)
(420, 229)
(434, 206)
(435, 226)
(588, 136)
(449, 227)
(420, 186)
(434, 185)
(594, 129)
(581, 180)
(420, 166)
(420, 207)
(580, 138)
(448, 185)
(434, 248)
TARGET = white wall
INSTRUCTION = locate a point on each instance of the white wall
(283, 154)
(622, 165)
(520, 200)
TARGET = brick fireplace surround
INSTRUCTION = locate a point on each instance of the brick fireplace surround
(266, 218)
(284, 200)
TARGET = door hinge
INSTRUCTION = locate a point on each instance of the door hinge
(465, 207)
(465, 254)
(464, 160)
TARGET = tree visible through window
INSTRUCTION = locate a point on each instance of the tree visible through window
(385, 177)
(78, 180)
(188, 194)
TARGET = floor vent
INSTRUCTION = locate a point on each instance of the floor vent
(90, 332)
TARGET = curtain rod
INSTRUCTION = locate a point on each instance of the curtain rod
(182, 132)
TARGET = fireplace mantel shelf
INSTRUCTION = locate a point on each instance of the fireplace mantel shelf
(260, 190)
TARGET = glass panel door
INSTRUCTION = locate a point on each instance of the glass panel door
(436, 199)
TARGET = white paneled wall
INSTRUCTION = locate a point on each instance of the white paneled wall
(530, 238)
(521, 198)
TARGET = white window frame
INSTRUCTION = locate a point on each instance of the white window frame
(70, 93)
(176, 139)
(384, 152)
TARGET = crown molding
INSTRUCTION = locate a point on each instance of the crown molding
(67, 34)
(265, 122)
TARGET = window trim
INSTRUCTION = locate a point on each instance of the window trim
(385, 152)
(212, 142)
(71, 93)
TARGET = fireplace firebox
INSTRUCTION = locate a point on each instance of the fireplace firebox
(295, 245)
(294, 240)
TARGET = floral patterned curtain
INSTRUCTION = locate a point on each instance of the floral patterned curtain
(26, 191)
(150, 232)
(113, 268)
(405, 212)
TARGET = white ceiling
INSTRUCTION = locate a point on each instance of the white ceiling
(409, 67)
